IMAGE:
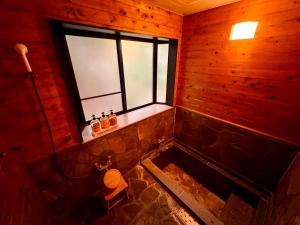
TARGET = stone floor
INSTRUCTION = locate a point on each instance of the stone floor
(149, 204)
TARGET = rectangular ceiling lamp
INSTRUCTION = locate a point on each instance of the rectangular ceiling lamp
(243, 30)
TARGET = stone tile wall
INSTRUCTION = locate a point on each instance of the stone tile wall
(126, 146)
(256, 157)
(286, 201)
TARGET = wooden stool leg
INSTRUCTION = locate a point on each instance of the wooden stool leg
(107, 207)
(127, 194)
(113, 197)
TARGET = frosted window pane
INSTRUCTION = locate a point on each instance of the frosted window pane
(102, 104)
(95, 65)
(138, 72)
(162, 71)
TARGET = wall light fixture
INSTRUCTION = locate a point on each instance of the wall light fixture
(243, 30)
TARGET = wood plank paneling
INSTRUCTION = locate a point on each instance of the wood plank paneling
(254, 83)
(187, 7)
(27, 22)
(23, 134)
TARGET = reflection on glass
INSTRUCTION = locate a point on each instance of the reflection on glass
(138, 72)
(95, 65)
(162, 72)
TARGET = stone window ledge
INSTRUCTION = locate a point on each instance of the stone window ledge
(125, 120)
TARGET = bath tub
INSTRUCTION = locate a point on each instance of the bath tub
(215, 195)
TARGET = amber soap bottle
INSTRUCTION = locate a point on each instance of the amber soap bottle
(104, 121)
(95, 124)
(112, 118)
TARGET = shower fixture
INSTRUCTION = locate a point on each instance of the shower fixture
(23, 50)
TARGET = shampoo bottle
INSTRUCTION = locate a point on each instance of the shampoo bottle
(104, 121)
(95, 125)
(112, 118)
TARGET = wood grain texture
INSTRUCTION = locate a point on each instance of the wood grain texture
(187, 7)
(23, 134)
(254, 83)
(27, 22)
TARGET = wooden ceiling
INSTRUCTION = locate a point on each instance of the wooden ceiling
(187, 7)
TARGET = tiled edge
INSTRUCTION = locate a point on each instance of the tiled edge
(261, 213)
(242, 127)
(126, 119)
(201, 211)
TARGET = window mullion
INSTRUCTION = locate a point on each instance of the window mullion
(155, 72)
(171, 71)
(121, 72)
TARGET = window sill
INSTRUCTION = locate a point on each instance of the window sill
(125, 120)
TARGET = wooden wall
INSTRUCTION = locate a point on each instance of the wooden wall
(22, 130)
(27, 22)
(254, 83)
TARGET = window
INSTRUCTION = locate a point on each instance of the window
(138, 72)
(96, 70)
(116, 70)
(162, 71)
